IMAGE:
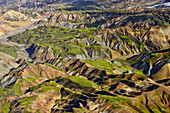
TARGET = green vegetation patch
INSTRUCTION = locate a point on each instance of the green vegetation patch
(153, 58)
(7, 92)
(155, 93)
(81, 81)
(125, 67)
(12, 90)
(115, 99)
(125, 37)
(73, 48)
(138, 72)
(26, 102)
(9, 50)
(4, 108)
(79, 110)
(45, 88)
(57, 37)
(49, 35)
(137, 43)
(15, 26)
(155, 110)
(55, 67)
(101, 64)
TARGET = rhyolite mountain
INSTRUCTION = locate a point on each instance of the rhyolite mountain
(86, 4)
(86, 61)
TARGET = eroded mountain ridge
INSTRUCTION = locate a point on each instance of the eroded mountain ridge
(116, 61)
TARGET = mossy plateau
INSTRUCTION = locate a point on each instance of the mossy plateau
(81, 81)
(9, 50)
(101, 64)
(115, 99)
(49, 35)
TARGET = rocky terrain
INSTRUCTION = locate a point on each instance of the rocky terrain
(82, 4)
(97, 61)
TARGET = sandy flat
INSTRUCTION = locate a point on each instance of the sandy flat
(19, 22)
